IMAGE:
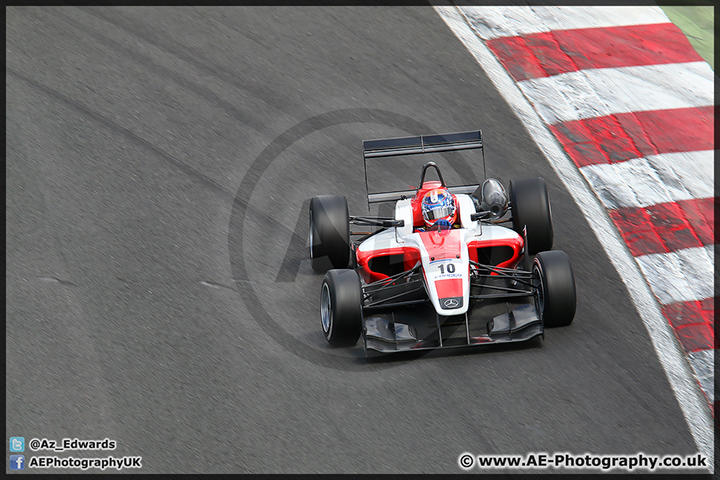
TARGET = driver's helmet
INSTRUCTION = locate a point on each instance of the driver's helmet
(438, 204)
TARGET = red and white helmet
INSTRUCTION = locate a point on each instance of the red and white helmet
(438, 204)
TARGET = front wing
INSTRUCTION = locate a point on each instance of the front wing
(398, 316)
(419, 327)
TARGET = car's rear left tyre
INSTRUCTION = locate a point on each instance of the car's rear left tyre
(531, 207)
(341, 307)
(329, 232)
(556, 299)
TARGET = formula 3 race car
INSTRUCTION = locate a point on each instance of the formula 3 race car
(416, 283)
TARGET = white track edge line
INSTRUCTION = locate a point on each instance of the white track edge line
(677, 368)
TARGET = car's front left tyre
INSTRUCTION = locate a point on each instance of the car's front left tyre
(341, 307)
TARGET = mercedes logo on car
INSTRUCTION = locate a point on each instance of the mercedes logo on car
(451, 303)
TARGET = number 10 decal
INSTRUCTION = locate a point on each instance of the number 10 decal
(450, 268)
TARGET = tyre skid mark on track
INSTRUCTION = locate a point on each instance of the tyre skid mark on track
(183, 52)
(297, 250)
(128, 134)
(65, 283)
(216, 285)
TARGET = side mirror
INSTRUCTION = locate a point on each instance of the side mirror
(492, 196)
(480, 215)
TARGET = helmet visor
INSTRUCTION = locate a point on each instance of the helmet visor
(440, 212)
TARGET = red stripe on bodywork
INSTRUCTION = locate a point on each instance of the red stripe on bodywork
(450, 287)
(561, 51)
(515, 243)
(666, 227)
(410, 257)
(693, 323)
(622, 136)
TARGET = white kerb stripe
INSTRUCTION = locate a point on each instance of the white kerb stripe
(692, 402)
(681, 276)
(604, 91)
(640, 182)
(494, 22)
(703, 363)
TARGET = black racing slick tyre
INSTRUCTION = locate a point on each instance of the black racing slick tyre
(556, 298)
(329, 232)
(341, 307)
(531, 208)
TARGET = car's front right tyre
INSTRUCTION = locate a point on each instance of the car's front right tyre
(531, 208)
(556, 299)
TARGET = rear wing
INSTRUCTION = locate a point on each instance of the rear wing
(420, 144)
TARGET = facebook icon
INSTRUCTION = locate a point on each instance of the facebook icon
(17, 462)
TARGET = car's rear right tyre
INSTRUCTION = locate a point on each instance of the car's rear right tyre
(531, 208)
(341, 307)
(329, 232)
(556, 299)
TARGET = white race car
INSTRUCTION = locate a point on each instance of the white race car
(445, 270)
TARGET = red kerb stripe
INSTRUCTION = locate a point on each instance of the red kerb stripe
(696, 337)
(561, 51)
(622, 136)
(666, 227)
(693, 323)
(687, 313)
